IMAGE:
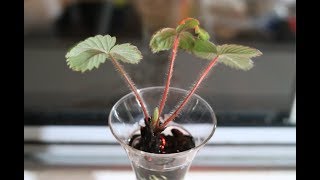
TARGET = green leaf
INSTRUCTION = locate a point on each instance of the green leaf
(237, 56)
(239, 50)
(99, 43)
(90, 53)
(162, 40)
(126, 53)
(86, 60)
(204, 49)
(93, 51)
(189, 23)
(186, 41)
(202, 34)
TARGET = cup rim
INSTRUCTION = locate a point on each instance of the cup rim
(163, 155)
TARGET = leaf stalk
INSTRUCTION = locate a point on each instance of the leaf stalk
(169, 76)
(191, 92)
(131, 85)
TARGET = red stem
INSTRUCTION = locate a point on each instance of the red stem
(131, 86)
(169, 75)
(191, 92)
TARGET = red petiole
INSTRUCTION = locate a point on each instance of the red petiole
(191, 92)
(131, 86)
(169, 75)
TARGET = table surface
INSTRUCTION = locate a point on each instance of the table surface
(100, 174)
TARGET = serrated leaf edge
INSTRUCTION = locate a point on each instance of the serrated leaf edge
(86, 49)
(259, 53)
(238, 67)
(152, 39)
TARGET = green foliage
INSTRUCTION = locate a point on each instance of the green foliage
(126, 53)
(99, 43)
(186, 24)
(202, 34)
(186, 41)
(204, 49)
(198, 44)
(162, 40)
(237, 56)
(93, 51)
(86, 60)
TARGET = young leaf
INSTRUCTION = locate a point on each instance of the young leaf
(93, 51)
(126, 53)
(204, 49)
(162, 40)
(155, 117)
(186, 41)
(202, 34)
(237, 56)
(188, 23)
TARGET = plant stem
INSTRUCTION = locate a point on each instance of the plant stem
(169, 75)
(131, 86)
(191, 92)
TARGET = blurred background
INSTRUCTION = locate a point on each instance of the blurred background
(66, 109)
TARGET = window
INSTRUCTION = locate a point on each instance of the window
(255, 109)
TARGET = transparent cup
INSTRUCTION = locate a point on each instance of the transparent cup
(197, 119)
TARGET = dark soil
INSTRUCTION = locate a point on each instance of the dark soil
(160, 143)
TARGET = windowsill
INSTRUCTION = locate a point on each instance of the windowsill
(95, 174)
(249, 147)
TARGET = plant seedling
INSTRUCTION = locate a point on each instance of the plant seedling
(187, 36)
